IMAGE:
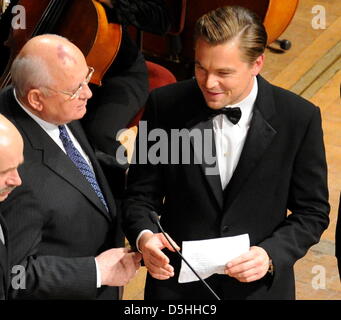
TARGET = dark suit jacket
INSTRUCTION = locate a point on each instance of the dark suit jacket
(57, 223)
(4, 273)
(282, 166)
(338, 239)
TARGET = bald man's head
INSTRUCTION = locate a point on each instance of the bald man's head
(11, 156)
(43, 61)
(50, 77)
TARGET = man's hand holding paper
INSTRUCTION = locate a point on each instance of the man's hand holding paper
(250, 266)
(211, 256)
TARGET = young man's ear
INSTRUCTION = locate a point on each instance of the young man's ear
(258, 65)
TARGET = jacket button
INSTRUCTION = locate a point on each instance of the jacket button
(225, 229)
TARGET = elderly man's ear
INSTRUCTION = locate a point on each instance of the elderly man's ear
(34, 99)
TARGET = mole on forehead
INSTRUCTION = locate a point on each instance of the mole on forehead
(64, 55)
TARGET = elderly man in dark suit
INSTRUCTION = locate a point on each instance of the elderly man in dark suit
(269, 158)
(62, 221)
(11, 156)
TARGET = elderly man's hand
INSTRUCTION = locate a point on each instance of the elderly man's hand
(118, 266)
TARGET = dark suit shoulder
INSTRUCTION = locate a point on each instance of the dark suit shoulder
(288, 106)
(6, 99)
(176, 94)
(292, 101)
(180, 88)
(175, 103)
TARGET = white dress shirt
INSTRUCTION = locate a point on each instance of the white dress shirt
(53, 131)
(230, 138)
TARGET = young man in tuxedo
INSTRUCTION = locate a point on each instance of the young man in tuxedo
(62, 221)
(269, 158)
(11, 157)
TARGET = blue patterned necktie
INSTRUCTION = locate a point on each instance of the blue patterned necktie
(80, 162)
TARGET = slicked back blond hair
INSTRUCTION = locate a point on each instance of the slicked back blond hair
(233, 22)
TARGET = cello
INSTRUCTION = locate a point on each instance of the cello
(275, 14)
(83, 22)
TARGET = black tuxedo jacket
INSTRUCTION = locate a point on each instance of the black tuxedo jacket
(282, 167)
(4, 269)
(57, 224)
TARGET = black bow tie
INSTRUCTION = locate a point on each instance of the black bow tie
(233, 114)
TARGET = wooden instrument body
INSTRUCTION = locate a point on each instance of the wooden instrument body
(83, 22)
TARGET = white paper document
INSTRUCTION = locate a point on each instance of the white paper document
(210, 256)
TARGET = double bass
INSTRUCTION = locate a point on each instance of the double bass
(275, 14)
(83, 22)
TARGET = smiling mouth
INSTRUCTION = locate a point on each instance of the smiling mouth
(6, 192)
(213, 93)
(82, 106)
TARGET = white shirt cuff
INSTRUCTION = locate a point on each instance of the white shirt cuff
(98, 273)
(139, 236)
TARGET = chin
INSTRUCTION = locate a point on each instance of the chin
(3, 197)
(80, 114)
(215, 105)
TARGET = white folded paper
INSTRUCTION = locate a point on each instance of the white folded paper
(210, 256)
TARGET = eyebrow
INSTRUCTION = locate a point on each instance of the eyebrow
(226, 70)
(219, 70)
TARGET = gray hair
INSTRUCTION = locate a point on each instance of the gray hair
(30, 72)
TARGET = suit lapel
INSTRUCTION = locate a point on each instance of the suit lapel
(206, 155)
(55, 159)
(64, 167)
(260, 135)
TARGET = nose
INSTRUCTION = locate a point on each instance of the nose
(86, 92)
(14, 179)
(210, 81)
